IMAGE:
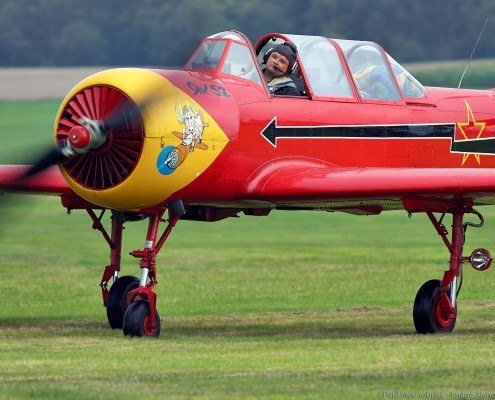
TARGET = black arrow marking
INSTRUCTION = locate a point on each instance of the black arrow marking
(272, 132)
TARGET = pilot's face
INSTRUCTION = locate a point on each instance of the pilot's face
(277, 60)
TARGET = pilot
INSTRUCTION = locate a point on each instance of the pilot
(279, 61)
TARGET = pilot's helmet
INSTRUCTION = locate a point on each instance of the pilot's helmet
(287, 49)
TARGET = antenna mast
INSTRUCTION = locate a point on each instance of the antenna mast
(472, 53)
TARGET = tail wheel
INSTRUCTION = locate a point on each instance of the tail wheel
(427, 314)
(117, 297)
(136, 320)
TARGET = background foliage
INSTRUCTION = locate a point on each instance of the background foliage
(157, 32)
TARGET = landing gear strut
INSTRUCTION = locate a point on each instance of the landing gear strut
(131, 301)
(435, 305)
(141, 317)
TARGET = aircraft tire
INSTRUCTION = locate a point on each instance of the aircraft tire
(426, 311)
(135, 320)
(117, 298)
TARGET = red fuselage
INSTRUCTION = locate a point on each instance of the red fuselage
(364, 134)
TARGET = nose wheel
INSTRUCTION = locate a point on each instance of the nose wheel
(130, 301)
(137, 321)
(117, 298)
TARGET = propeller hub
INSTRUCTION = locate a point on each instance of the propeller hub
(79, 137)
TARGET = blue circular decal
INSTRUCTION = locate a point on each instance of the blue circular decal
(163, 168)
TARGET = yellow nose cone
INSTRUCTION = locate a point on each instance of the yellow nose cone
(181, 140)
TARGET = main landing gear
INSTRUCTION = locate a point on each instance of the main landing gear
(435, 306)
(131, 301)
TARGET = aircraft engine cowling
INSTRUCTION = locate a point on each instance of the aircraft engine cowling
(138, 162)
(112, 162)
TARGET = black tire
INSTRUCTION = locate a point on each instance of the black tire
(117, 297)
(135, 320)
(426, 315)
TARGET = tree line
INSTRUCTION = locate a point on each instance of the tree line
(165, 32)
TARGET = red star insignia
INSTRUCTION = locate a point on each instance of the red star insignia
(471, 130)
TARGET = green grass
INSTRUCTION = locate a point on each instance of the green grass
(294, 305)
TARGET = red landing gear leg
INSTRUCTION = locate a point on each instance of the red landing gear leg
(435, 306)
(115, 242)
(141, 317)
(115, 298)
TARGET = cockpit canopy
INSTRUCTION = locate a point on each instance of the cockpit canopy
(328, 68)
(226, 52)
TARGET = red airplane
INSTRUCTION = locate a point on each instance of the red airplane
(210, 141)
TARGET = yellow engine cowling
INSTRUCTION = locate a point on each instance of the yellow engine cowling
(172, 142)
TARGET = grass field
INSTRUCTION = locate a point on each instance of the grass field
(295, 305)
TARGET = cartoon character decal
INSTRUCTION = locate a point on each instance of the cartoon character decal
(191, 137)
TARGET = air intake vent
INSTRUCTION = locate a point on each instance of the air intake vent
(110, 164)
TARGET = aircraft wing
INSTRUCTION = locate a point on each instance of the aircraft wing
(50, 181)
(311, 183)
